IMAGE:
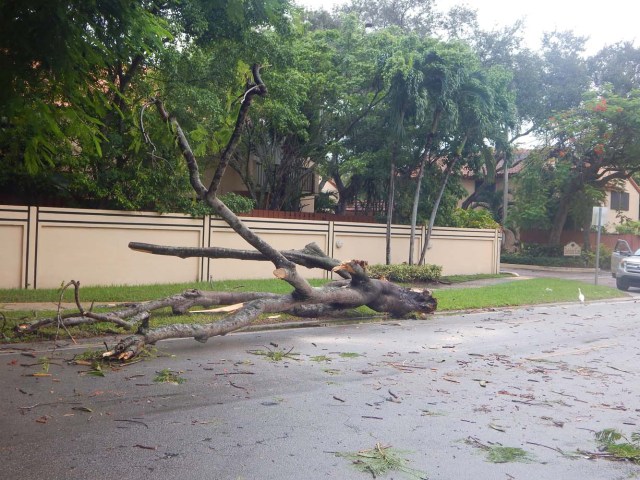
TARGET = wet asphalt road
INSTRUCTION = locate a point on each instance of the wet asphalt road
(543, 379)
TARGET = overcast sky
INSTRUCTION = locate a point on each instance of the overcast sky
(605, 22)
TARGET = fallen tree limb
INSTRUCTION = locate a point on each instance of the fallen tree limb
(311, 256)
(379, 295)
(357, 288)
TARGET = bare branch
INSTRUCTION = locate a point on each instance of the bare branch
(183, 143)
(252, 89)
(311, 256)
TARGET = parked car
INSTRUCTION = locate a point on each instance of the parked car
(625, 266)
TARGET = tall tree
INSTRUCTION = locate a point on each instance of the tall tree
(484, 117)
(348, 86)
(409, 15)
(404, 99)
(70, 72)
(446, 68)
(591, 147)
(617, 65)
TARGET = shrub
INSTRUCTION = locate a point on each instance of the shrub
(325, 202)
(534, 256)
(406, 273)
(605, 257)
(473, 218)
(629, 227)
(539, 250)
(236, 203)
(522, 259)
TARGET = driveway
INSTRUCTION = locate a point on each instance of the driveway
(582, 274)
(543, 379)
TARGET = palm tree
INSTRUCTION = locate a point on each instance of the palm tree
(444, 67)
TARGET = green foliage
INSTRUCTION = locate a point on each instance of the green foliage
(236, 203)
(618, 445)
(325, 202)
(532, 197)
(276, 355)
(500, 454)
(406, 273)
(521, 259)
(381, 460)
(542, 250)
(58, 81)
(553, 256)
(629, 227)
(45, 363)
(591, 146)
(473, 218)
(605, 257)
(320, 358)
(74, 76)
(167, 376)
(349, 354)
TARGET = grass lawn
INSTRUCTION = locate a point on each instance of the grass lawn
(507, 294)
(521, 292)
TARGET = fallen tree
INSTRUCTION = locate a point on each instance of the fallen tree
(355, 289)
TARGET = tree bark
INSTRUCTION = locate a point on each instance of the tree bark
(436, 205)
(559, 220)
(391, 201)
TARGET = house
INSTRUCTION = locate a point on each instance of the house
(623, 203)
(622, 198)
(299, 181)
(472, 184)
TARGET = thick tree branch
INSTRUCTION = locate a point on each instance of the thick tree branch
(129, 316)
(285, 269)
(311, 256)
(257, 87)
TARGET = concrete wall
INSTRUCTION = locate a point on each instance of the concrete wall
(42, 247)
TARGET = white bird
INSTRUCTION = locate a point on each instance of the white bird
(580, 296)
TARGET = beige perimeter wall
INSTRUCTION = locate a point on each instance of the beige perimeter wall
(42, 247)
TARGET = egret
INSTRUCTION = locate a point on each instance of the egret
(580, 296)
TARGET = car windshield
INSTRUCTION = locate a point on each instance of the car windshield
(636, 253)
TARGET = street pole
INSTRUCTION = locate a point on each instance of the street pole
(598, 245)
(505, 193)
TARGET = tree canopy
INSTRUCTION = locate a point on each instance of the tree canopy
(388, 101)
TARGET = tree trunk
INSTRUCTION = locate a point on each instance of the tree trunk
(559, 220)
(341, 206)
(434, 212)
(243, 308)
(414, 209)
(391, 201)
(416, 197)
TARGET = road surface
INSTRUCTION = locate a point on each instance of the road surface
(543, 379)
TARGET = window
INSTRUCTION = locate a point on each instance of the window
(620, 201)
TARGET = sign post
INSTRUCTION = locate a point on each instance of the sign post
(596, 220)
